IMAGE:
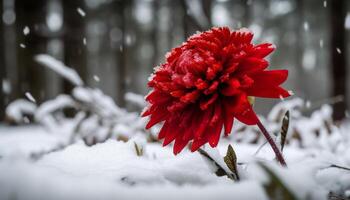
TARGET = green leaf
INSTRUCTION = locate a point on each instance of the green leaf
(231, 160)
(284, 129)
(275, 188)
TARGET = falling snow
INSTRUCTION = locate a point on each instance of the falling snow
(30, 97)
(81, 12)
(26, 30)
(306, 26)
(338, 50)
(321, 43)
(96, 78)
(347, 21)
(308, 104)
(309, 59)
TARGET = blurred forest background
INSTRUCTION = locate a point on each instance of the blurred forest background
(114, 44)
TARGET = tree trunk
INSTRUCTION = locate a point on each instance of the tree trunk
(74, 33)
(123, 8)
(338, 56)
(30, 14)
(10, 55)
(299, 46)
(2, 67)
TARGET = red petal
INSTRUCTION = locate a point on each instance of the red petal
(262, 50)
(251, 65)
(268, 92)
(170, 134)
(247, 117)
(163, 131)
(228, 116)
(217, 114)
(203, 122)
(271, 77)
(215, 134)
(197, 144)
(148, 111)
(232, 88)
(158, 97)
(205, 103)
(241, 36)
(159, 114)
(179, 145)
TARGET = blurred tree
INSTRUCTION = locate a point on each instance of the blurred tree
(300, 44)
(54, 33)
(122, 10)
(2, 66)
(338, 56)
(9, 53)
(196, 19)
(156, 32)
(207, 8)
(29, 15)
(74, 33)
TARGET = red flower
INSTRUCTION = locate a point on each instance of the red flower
(204, 85)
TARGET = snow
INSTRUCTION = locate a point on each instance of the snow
(81, 12)
(278, 8)
(135, 99)
(325, 3)
(306, 26)
(96, 78)
(9, 16)
(347, 21)
(6, 86)
(113, 169)
(141, 167)
(54, 21)
(30, 97)
(23, 46)
(57, 66)
(309, 59)
(26, 30)
(18, 108)
(321, 43)
(338, 50)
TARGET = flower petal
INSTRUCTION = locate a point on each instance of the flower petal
(251, 65)
(271, 77)
(247, 117)
(262, 50)
(159, 114)
(214, 136)
(179, 145)
(268, 92)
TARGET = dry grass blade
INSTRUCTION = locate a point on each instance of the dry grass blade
(231, 160)
(220, 170)
(284, 129)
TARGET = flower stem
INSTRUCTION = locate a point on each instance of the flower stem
(272, 143)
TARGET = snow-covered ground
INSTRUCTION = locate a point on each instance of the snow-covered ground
(113, 170)
(103, 152)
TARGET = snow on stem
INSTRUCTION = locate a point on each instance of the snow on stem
(272, 143)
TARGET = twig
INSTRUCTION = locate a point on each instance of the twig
(337, 166)
(272, 143)
(259, 149)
